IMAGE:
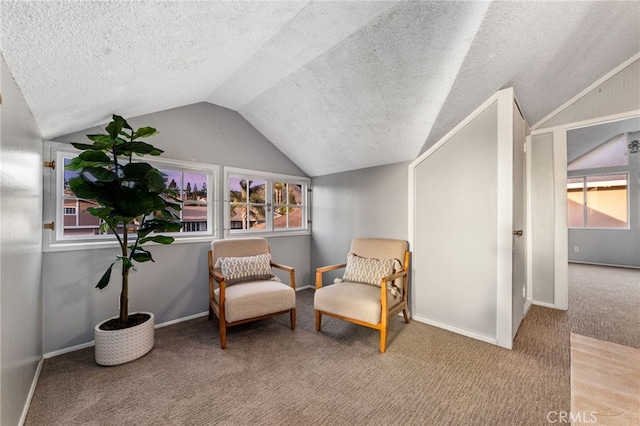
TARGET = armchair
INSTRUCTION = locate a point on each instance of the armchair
(373, 289)
(241, 288)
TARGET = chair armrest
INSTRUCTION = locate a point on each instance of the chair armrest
(395, 276)
(283, 267)
(387, 282)
(216, 275)
(290, 270)
(323, 269)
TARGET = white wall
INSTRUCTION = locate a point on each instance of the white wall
(615, 96)
(542, 218)
(369, 202)
(455, 231)
(176, 285)
(20, 251)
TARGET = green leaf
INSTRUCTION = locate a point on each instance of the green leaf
(160, 225)
(81, 189)
(141, 148)
(135, 170)
(75, 164)
(104, 281)
(115, 126)
(101, 141)
(141, 255)
(154, 181)
(97, 174)
(120, 119)
(144, 132)
(126, 262)
(95, 156)
(167, 225)
(81, 146)
(160, 239)
(133, 201)
(101, 212)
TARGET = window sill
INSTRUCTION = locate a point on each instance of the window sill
(91, 245)
(265, 234)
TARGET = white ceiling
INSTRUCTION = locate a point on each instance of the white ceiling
(335, 86)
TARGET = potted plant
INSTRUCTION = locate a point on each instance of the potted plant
(132, 197)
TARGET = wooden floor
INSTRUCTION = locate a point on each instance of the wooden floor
(605, 382)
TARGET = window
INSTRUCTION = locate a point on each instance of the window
(194, 194)
(75, 227)
(597, 201)
(263, 202)
(600, 173)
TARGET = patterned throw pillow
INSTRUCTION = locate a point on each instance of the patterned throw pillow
(245, 268)
(368, 270)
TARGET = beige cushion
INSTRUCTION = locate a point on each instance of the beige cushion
(380, 248)
(245, 268)
(368, 270)
(256, 298)
(237, 247)
(353, 300)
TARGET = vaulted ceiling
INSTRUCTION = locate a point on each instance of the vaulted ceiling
(335, 86)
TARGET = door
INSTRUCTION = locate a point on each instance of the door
(519, 268)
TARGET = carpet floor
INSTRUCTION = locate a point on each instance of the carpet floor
(270, 375)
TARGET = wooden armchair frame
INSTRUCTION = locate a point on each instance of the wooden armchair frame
(386, 312)
(217, 281)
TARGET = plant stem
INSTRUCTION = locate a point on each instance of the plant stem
(124, 295)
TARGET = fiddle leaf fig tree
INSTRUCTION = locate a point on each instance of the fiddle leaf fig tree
(132, 197)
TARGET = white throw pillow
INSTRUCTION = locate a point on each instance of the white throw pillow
(368, 270)
(245, 268)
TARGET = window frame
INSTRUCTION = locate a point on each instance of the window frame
(54, 240)
(269, 178)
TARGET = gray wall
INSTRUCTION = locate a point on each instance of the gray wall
(611, 246)
(369, 202)
(542, 219)
(176, 285)
(456, 227)
(20, 250)
(616, 95)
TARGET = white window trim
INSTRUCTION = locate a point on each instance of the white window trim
(53, 241)
(269, 178)
(584, 174)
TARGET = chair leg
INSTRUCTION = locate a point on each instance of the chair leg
(405, 312)
(292, 315)
(383, 340)
(318, 320)
(223, 334)
(210, 313)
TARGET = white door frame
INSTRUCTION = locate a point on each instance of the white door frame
(561, 235)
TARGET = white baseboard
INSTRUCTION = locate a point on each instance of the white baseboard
(545, 305)
(32, 390)
(67, 350)
(311, 287)
(92, 343)
(527, 306)
(164, 324)
(455, 329)
(183, 319)
(613, 265)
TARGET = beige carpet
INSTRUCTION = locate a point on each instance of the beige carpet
(270, 375)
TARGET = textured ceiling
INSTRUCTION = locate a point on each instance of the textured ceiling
(334, 85)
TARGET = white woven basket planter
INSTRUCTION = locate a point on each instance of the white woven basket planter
(115, 347)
